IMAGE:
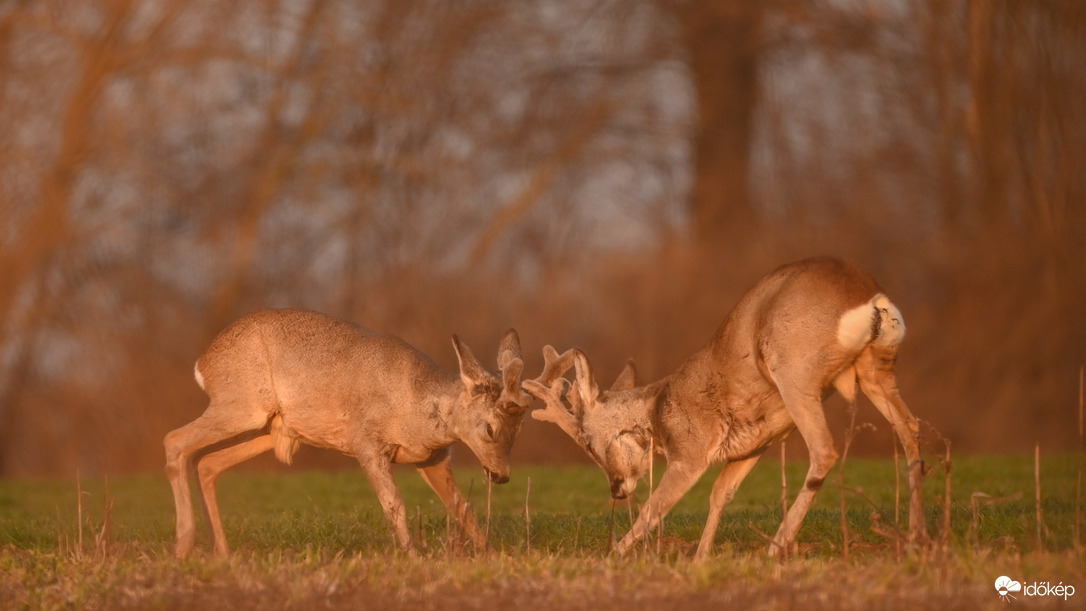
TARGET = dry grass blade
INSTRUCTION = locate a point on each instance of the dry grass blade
(768, 539)
(850, 435)
(527, 518)
(897, 498)
(105, 536)
(489, 492)
(1037, 495)
(944, 536)
(947, 498)
(660, 525)
(611, 528)
(1081, 456)
(978, 500)
(61, 537)
(891, 533)
(784, 480)
(79, 512)
(786, 550)
(974, 529)
(418, 519)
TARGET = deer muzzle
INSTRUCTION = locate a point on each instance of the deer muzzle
(497, 478)
(622, 488)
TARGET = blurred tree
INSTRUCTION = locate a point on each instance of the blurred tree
(217, 157)
(426, 167)
(1025, 128)
(724, 42)
(45, 243)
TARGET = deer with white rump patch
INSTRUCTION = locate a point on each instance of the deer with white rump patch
(279, 378)
(804, 330)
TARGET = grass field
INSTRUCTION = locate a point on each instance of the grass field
(318, 539)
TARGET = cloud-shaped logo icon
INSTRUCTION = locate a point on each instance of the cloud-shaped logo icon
(1005, 585)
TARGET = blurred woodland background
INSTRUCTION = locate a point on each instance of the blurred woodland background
(611, 174)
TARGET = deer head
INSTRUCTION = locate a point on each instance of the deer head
(492, 406)
(612, 426)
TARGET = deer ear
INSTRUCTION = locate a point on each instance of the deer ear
(587, 388)
(657, 392)
(471, 371)
(513, 398)
(627, 379)
(508, 348)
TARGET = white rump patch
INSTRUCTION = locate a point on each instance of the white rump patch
(854, 329)
(891, 323)
(199, 376)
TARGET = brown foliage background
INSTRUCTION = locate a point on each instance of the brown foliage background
(605, 174)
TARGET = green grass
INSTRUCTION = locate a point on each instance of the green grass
(569, 507)
(297, 533)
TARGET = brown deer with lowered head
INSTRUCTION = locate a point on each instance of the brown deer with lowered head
(804, 330)
(279, 378)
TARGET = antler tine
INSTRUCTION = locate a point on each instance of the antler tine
(554, 410)
(551, 387)
(554, 365)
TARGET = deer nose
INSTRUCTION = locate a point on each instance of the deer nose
(622, 488)
(497, 478)
(618, 491)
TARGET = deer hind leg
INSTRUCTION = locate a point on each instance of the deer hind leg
(215, 425)
(806, 410)
(875, 368)
(724, 489)
(440, 477)
(679, 478)
(208, 470)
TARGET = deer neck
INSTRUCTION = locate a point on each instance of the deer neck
(643, 411)
(437, 404)
(656, 396)
(454, 412)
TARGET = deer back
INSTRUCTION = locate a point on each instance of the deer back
(811, 318)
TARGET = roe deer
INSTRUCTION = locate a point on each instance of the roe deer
(805, 329)
(279, 378)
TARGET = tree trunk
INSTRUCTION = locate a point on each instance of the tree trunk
(723, 39)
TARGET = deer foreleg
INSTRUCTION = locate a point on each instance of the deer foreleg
(676, 482)
(378, 469)
(440, 477)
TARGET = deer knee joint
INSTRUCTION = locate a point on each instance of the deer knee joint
(172, 471)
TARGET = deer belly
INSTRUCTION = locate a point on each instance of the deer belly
(411, 456)
(744, 438)
(324, 432)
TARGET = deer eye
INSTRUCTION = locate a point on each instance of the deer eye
(489, 431)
